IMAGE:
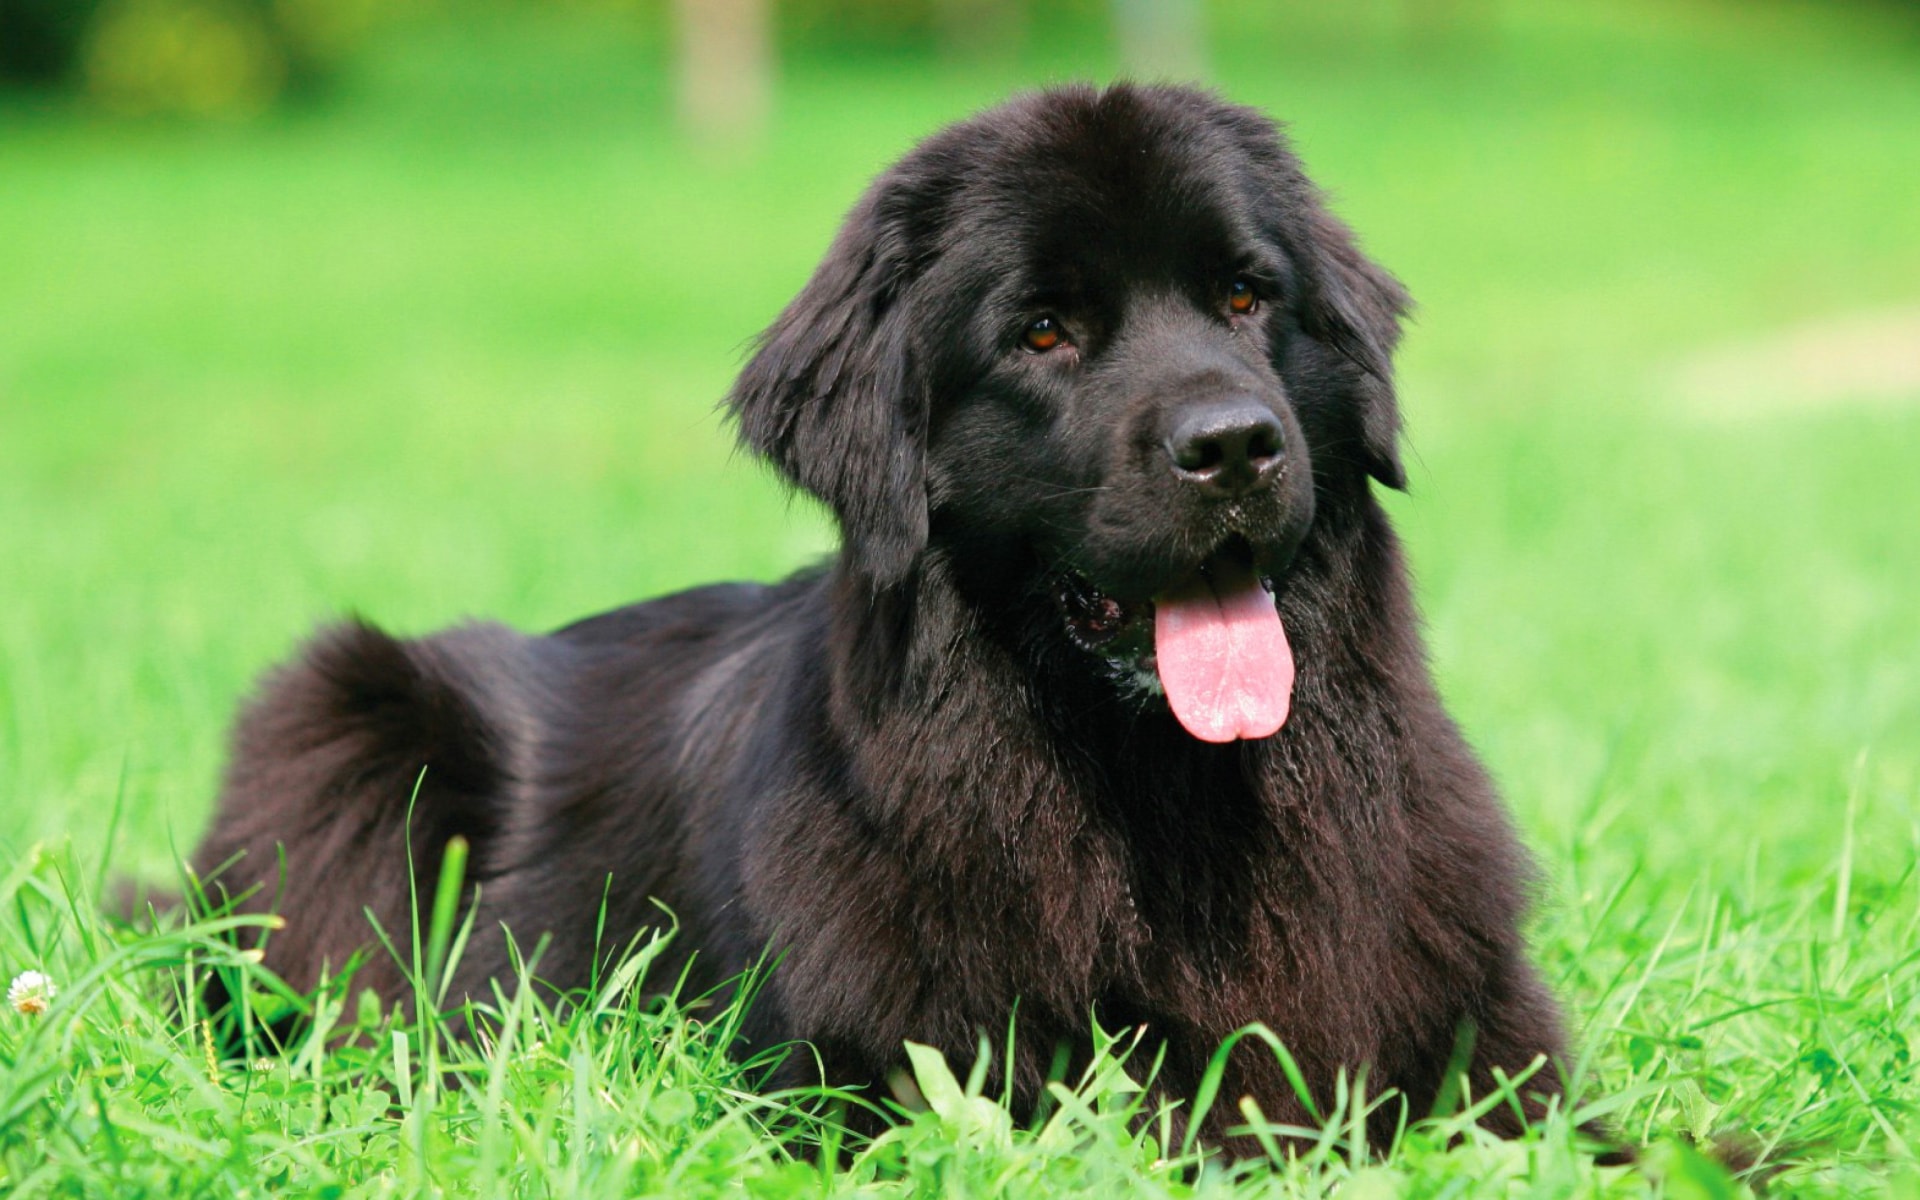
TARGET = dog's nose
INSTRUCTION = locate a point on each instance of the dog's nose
(1228, 448)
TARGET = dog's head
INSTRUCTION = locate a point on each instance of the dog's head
(1101, 348)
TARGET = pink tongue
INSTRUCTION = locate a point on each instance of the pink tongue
(1223, 656)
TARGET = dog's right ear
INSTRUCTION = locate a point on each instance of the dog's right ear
(831, 397)
(1356, 306)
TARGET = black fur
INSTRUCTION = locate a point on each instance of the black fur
(915, 773)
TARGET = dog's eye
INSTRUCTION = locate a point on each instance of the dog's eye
(1241, 298)
(1043, 335)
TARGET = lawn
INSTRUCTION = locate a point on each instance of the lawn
(448, 344)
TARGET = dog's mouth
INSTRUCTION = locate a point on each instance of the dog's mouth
(1211, 643)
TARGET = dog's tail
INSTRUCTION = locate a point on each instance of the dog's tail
(350, 771)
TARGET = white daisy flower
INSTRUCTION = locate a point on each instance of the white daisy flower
(31, 992)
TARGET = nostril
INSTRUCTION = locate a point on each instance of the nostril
(1264, 443)
(1199, 454)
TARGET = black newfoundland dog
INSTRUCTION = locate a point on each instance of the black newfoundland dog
(1112, 706)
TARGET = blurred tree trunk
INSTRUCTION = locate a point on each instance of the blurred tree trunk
(723, 72)
(980, 30)
(1161, 39)
(1437, 25)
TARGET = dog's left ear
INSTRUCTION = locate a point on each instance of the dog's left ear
(1354, 305)
(1349, 302)
(832, 400)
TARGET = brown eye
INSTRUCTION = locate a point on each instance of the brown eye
(1240, 298)
(1043, 335)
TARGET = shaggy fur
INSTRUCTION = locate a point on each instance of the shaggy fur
(935, 776)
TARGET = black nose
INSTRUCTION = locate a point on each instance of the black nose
(1227, 447)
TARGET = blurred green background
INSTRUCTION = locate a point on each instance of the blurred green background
(420, 309)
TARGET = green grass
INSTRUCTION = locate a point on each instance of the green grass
(448, 345)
